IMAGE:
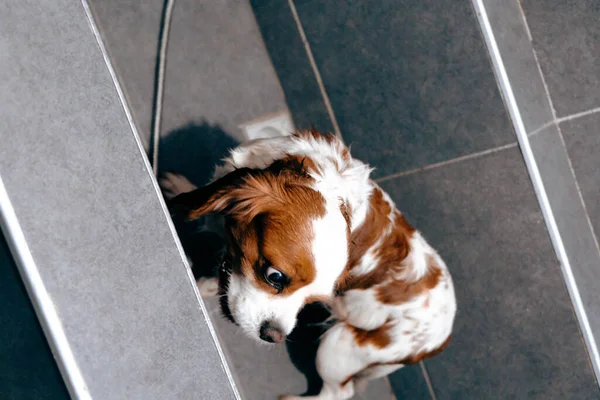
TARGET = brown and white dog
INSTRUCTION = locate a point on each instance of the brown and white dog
(304, 222)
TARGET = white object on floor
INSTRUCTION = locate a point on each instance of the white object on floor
(269, 126)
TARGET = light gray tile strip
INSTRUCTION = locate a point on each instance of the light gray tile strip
(86, 220)
(156, 186)
(41, 300)
(536, 177)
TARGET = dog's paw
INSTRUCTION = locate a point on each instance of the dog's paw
(208, 287)
(290, 397)
(174, 184)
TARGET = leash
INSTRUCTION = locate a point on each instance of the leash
(159, 83)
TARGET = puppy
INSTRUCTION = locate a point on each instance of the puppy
(303, 222)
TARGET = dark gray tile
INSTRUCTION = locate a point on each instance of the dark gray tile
(510, 32)
(27, 367)
(582, 137)
(571, 219)
(291, 62)
(410, 82)
(409, 383)
(565, 37)
(516, 336)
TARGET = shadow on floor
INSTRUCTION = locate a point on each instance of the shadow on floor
(193, 151)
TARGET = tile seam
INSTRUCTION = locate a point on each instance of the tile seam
(315, 68)
(447, 162)
(581, 114)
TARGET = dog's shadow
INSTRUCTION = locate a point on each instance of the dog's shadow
(193, 151)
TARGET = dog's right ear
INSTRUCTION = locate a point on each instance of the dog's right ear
(217, 197)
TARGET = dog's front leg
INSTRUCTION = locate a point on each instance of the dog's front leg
(339, 359)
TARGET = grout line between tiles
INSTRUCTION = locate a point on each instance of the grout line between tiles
(538, 184)
(447, 162)
(541, 128)
(576, 115)
(427, 380)
(161, 200)
(525, 21)
(315, 69)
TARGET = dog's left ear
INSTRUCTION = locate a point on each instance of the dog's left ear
(241, 194)
(217, 197)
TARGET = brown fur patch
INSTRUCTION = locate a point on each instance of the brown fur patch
(379, 337)
(392, 251)
(366, 235)
(268, 214)
(400, 291)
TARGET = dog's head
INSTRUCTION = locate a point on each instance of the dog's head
(287, 243)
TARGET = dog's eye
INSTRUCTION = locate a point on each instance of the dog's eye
(275, 278)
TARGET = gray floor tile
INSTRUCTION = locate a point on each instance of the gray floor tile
(582, 137)
(218, 70)
(510, 31)
(291, 62)
(516, 336)
(410, 82)
(27, 367)
(218, 67)
(565, 37)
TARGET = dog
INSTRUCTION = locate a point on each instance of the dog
(304, 222)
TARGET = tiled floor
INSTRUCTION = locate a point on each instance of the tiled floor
(549, 53)
(515, 321)
(565, 35)
(218, 71)
(219, 76)
(404, 94)
(411, 87)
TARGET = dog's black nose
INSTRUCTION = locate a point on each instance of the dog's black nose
(270, 334)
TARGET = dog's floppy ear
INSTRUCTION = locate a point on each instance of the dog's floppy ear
(217, 197)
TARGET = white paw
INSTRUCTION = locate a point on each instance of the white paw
(174, 184)
(208, 287)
